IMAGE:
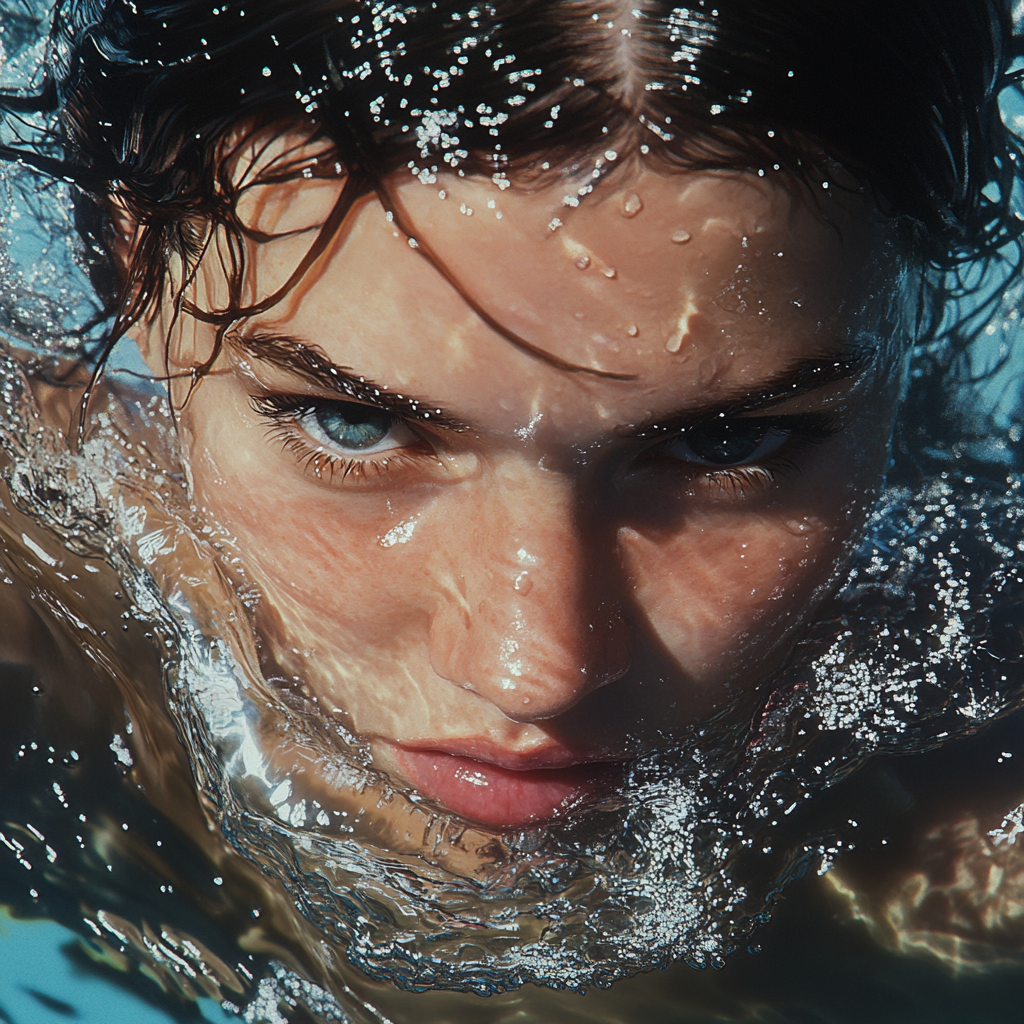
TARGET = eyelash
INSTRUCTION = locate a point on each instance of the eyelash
(739, 481)
(283, 413)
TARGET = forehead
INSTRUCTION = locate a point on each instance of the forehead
(643, 246)
(656, 289)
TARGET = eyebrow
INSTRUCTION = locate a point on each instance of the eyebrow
(308, 362)
(803, 377)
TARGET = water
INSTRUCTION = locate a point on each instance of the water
(146, 829)
(44, 965)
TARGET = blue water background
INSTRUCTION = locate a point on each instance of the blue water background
(41, 984)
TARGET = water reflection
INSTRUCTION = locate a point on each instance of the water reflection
(182, 796)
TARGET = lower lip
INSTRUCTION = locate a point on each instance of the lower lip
(501, 797)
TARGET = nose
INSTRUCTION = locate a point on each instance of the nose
(530, 615)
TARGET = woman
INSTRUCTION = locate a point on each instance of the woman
(531, 373)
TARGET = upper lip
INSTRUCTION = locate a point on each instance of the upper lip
(550, 756)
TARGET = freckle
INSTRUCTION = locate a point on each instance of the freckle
(680, 237)
(632, 205)
(632, 330)
(581, 262)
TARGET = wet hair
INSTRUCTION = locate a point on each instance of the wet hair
(901, 99)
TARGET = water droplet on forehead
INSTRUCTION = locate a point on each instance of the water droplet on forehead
(632, 204)
(582, 261)
(680, 237)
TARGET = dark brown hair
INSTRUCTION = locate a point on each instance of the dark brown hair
(901, 98)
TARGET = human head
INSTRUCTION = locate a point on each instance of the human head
(185, 231)
(183, 111)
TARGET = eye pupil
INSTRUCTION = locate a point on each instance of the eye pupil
(726, 443)
(354, 426)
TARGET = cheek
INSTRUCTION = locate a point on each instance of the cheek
(333, 570)
(726, 588)
(723, 586)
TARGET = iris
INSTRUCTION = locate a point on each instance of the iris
(728, 443)
(352, 426)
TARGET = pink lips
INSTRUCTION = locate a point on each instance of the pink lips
(501, 797)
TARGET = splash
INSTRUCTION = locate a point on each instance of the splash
(922, 649)
(921, 646)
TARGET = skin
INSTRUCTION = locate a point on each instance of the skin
(551, 580)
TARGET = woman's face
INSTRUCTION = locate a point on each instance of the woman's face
(509, 571)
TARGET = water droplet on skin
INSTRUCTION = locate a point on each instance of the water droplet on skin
(680, 237)
(632, 205)
(608, 272)
(803, 527)
(675, 342)
(581, 262)
(632, 330)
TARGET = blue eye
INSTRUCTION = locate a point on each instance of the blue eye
(353, 427)
(728, 442)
